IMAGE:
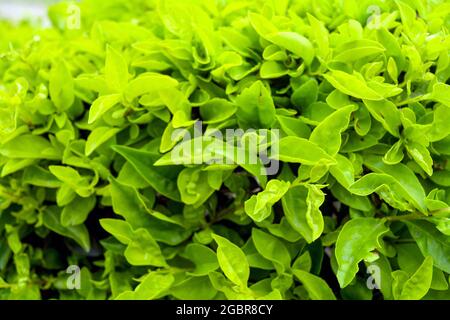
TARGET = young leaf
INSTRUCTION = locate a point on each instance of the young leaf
(272, 249)
(204, 258)
(143, 250)
(355, 242)
(51, 218)
(77, 211)
(255, 107)
(259, 206)
(147, 83)
(102, 105)
(25, 146)
(300, 150)
(316, 287)
(419, 283)
(162, 179)
(99, 136)
(352, 85)
(116, 70)
(232, 261)
(61, 86)
(294, 42)
(328, 132)
(301, 206)
(153, 286)
(432, 243)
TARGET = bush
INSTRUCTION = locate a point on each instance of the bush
(343, 191)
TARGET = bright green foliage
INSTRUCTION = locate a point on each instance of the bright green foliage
(93, 117)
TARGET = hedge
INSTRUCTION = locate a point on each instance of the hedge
(343, 106)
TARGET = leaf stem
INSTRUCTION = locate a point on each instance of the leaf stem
(412, 100)
(406, 217)
(418, 216)
(443, 211)
(223, 213)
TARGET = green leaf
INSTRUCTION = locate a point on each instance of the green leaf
(30, 147)
(204, 258)
(102, 105)
(136, 209)
(272, 70)
(127, 202)
(320, 35)
(143, 250)
(261, 24)
(439, 129)
(431, 243)
(386, 113)
(116, 70)
(328, 132)
(357, 49)
(153, 286)
(386, 186)
(51, 218)
(194, 187)
(316, 287)
(99, 136)
(350, 199)
(255, 107)
(343, 171)
(272, 249)
(441, 178)
(421, 155)
(38, 176)
(440, 93)
(77, 211)
(162, 179)
(294, 127)
(419, 283)
(72, 179)
(300, 150)
(306, 94)
(294, 42)
(195, 288)
(147, 83)
(355, 242)
(120, 229)
(394, 154)
(254, 258)
(232, 261)
(382, 275)
(61, 86)
(13, 165)
(301, 207)
(352, 84)
(404, 176)
(210, 150)
(217, 110)
(259, 206)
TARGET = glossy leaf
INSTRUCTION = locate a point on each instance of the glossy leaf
(356, 240)
(301, 205)
(232, 261)
(317, 288)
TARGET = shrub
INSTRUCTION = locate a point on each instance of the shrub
(349, 99)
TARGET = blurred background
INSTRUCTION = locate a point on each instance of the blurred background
(34, 10)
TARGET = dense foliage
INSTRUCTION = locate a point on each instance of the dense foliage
(359, 208)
